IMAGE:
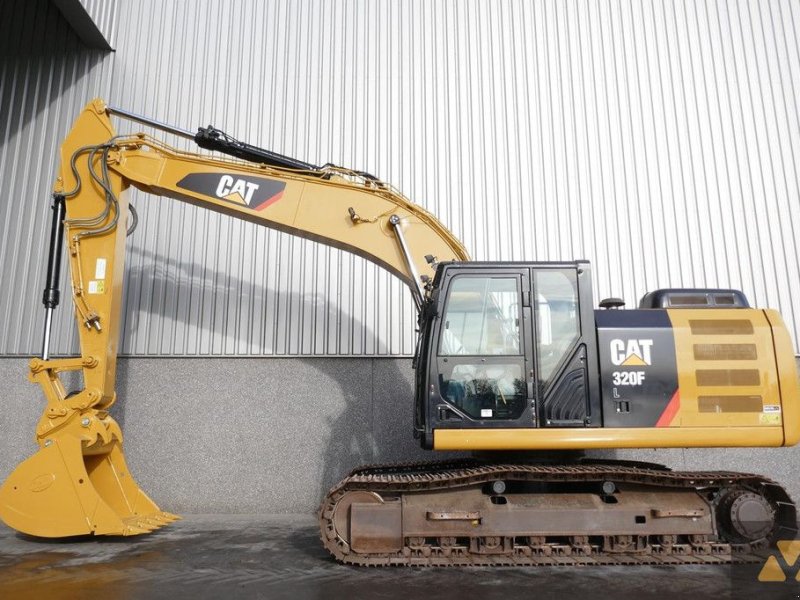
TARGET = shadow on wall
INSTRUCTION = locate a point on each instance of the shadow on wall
(324, 414)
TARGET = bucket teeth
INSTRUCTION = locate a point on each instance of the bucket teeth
(157, 520)
(140, 524)
(149, 524)
(169, 517)
(134, 530)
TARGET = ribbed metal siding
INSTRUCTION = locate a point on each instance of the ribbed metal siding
(659, 140)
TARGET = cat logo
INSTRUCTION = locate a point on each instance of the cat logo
(236, 190)
(773, 570)
(631, 353)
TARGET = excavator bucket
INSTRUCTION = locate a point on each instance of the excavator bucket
(66, 489)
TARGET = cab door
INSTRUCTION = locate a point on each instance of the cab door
(484, 346)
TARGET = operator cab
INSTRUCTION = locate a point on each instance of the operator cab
(507, 345)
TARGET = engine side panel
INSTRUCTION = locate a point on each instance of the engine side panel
(688, 368)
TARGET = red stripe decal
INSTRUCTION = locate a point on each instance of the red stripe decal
(670, 411)
(269, 201)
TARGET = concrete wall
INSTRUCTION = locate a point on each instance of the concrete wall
(272, 435)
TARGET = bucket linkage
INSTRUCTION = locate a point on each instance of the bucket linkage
(77, 482)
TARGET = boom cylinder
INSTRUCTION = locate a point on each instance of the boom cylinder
(52, 294)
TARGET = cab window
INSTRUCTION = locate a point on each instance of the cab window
(558, 329)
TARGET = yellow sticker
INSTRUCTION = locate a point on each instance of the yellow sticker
(97, 287)
(770, 418)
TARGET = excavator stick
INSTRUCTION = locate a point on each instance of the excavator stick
(68, 488)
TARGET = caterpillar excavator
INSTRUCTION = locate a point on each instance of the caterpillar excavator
(511, 358)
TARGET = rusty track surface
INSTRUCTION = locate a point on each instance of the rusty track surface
(399, 479)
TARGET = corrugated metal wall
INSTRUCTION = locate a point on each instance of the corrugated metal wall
(46, 73)
(657, 139)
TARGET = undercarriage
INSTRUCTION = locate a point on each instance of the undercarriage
(603, 512)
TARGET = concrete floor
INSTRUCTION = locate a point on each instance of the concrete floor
(244, 556)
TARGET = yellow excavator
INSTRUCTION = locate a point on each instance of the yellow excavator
(512, 357)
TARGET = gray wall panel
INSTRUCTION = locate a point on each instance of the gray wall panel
(657, 139)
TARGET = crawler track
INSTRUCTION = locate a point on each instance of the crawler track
(477, 540)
